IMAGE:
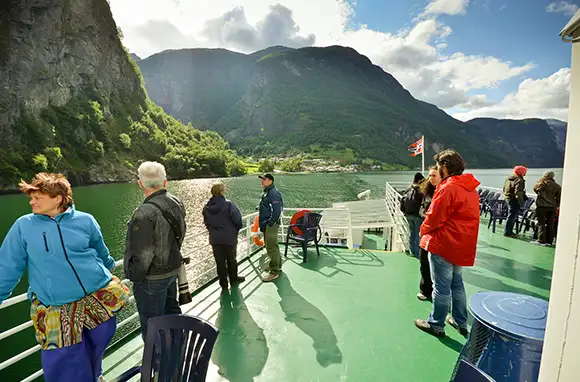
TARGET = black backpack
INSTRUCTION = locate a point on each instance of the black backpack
(411, 201)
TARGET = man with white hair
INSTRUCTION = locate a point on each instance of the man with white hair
(152, 250)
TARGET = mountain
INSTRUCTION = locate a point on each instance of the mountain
(532, 142)
(328, 101)
(73, 101)
(135, 57)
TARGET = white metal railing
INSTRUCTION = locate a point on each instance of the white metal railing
(335, 227)
(245, 241)
(494, 189)
(401, 236)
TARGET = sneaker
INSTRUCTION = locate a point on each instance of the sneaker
(536, 242)
(101, 379)
(422, 297)
(451, 321)
(270, 277)
(426, 327)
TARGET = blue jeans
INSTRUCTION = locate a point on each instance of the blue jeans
(80, 362)
(155, 298)
(414, 222)
(513, 211)
(447, 288)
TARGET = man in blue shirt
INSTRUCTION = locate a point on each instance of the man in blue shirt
(270, 212)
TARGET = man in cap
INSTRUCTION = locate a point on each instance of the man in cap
(514, 192)
(270, 212)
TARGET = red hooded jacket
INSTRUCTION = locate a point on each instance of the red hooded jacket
(451, 225)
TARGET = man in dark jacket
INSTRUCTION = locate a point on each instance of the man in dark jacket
(270, 211)
(514, 192)
(411, 207)
(153, 250)
(223, 221)
(547, 203)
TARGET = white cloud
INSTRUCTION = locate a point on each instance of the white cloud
(563, 7)
(414, 56)
(535, 98)
(448, 7)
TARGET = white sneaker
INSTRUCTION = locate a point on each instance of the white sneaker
(101, 379)
(267, 277)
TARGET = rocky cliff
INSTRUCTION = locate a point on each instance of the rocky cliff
(72, 100)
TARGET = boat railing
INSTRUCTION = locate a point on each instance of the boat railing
(494, 189)
(197, 247)
(401, 230)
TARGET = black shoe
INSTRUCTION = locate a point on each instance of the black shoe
(426, 327)
(451, 321)
(239, 279)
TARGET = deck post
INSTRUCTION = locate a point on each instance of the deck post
(561, 342)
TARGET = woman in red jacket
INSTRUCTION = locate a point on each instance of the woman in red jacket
(449, 233)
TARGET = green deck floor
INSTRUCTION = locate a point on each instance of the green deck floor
(347, 316)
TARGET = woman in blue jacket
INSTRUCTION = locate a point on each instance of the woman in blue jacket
(73, 294)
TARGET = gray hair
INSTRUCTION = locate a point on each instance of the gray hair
(549, 174)
(152, 175)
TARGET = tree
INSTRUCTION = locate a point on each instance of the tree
(267, 165)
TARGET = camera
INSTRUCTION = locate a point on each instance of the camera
(183, 284)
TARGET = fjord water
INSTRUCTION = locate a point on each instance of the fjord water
(113, 204)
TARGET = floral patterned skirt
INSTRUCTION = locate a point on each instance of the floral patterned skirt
(62, 326)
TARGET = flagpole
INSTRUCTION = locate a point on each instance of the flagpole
(423, 156)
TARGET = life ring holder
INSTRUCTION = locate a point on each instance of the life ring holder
(297, 216)
(255, 228)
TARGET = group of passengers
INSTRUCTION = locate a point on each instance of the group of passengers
(74, 295)
(547, 202)
(443, 214)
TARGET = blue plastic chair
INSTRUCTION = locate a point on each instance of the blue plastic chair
(309, 226)
(177, 348)
(466, 372)
(498, 210)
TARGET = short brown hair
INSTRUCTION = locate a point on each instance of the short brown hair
(451, 160)
(50, 184)
(218, 189)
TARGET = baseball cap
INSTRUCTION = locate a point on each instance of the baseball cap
(266, 176)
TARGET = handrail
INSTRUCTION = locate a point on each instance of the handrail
(245, 238)
(242, 239)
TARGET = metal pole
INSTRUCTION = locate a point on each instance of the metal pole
(423, 155)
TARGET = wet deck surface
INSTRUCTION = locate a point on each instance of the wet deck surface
(346, 316)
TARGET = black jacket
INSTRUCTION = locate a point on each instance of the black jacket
(151, 249)
(223, 221)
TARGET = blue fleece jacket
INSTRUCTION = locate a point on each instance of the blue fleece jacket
(66, 257)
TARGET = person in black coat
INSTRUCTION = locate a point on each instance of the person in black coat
(223, 221)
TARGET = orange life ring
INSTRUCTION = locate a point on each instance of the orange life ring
(295, 218)
(255, 228)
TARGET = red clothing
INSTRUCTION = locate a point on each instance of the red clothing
(452, 223)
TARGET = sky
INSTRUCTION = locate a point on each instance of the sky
(471, 58)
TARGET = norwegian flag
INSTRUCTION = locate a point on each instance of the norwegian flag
(416, 148)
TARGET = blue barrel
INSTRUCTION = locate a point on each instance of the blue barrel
(515, 326)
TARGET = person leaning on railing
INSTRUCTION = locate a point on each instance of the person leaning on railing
(547, 203)
(74, 297)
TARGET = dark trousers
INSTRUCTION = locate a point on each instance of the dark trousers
(545, 217)
(513, 211)
(226, 263)
(80, 362)
(426, 284)
(155, 298)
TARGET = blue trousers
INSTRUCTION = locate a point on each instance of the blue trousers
(80, 362)
(155, 298)
(448, 289)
